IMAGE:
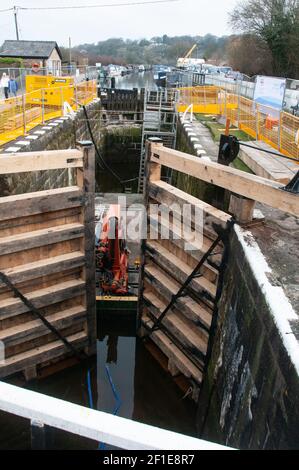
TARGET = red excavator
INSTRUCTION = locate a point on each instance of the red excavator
(112, 254)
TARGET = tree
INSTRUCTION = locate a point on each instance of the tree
(249, 54)
(275, 22)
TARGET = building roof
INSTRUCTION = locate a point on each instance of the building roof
(29, 49)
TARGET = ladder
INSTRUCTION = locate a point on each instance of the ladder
(159, 120)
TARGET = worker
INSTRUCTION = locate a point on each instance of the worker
(4, 84)
(13, 86)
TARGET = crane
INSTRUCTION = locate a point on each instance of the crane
(183, 61)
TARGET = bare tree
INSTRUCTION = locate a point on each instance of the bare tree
(249, 54)
(275, 22)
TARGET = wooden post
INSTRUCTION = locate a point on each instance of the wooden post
(86, 180)
(241, 208)
(227, 127)
(154, 172)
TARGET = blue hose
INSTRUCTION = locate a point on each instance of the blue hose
(115, 394)
(117, 398)
(90, 399)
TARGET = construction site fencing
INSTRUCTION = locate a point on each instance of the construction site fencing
(22, 113)
(277, 128)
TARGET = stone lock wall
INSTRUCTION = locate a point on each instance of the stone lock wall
(250, 393)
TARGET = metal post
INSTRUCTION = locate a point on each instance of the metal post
(257, 120)
(62, 102)
(24, 112)
(43, 105)
(280, 132)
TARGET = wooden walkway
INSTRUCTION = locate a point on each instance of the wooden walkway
(266, 165)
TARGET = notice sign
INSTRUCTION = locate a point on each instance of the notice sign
(269, 91)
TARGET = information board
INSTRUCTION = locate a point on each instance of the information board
(269, 91)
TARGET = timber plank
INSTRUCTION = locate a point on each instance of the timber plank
(43, 267)
(192, 338)
(40, 161)
(42, 298)
(194, 247)
(181, 361)
(38, 238)
(242, 183)
(36, 328)
(24, 205)
(168, 195)
(178, 269)
(168, 287)
(41, 354)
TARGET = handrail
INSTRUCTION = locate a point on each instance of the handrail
(39, 161)
(96, 425)
(250, 186)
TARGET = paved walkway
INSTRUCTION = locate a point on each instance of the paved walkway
(201, 139)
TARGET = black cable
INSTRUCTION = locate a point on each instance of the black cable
(122, 182)
(266, 151)
(104, 5)
(79, 354)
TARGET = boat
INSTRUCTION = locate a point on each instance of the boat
(141, 68)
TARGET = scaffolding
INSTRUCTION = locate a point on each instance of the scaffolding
(160, 121)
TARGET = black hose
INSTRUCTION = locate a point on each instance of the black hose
(115, 175)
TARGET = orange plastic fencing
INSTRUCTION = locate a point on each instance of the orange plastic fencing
(20, 114)
(277, 128)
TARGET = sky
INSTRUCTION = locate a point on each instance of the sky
(194, 17)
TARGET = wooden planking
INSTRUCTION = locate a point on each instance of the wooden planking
(42, 297)
(40, 161)
(41, 354)
(34, 329)
(23, 205)
(167, 287)
(267, 165)
(43, 267)
(251, 186)
(86, 180)
(195, 248)
(166, 194)
(39, 238)
(180, 271)
(181, 361)
(189, 336)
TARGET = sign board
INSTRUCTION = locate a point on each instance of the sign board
(269, 91)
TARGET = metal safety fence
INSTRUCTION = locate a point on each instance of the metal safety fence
(20, 114)
(279, 129)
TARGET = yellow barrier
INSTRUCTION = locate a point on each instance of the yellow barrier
(278, 129)
(21, 114)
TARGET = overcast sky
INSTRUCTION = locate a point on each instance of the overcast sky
(92, 25)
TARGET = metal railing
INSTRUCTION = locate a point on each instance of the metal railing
(96, 425)
(20, 114)
(279, 129)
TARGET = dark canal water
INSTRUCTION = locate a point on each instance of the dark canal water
(146, 391)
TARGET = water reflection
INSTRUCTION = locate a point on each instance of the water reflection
(136, 80)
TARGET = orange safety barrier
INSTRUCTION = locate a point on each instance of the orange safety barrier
(277, 128)
(21, 114)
